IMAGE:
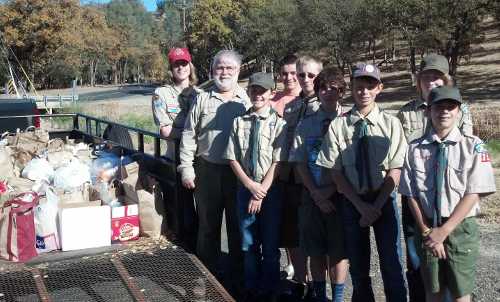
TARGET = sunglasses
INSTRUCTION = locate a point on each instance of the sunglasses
(180, 63)
(329, 89)
(308, 74)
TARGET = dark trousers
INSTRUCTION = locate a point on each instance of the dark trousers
(215, 193)
(415, 283)
(387, 236)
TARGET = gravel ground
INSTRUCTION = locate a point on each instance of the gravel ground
(488, 267)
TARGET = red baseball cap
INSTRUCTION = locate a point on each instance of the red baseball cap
(177, 54)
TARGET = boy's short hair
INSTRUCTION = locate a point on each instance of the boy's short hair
(330, 75)
(289, 60)
(304, 60)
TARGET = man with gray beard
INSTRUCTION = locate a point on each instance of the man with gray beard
(205, 137)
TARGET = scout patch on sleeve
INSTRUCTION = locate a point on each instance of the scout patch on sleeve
(173, 108)
(158, 104)
(464, 108)
(480, 148)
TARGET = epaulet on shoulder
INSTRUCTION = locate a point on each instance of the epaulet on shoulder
(408, 106)
(471, 136)
(416, 140)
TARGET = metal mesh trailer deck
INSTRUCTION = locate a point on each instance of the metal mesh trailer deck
(164, 273)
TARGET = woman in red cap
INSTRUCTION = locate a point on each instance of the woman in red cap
(171, 102)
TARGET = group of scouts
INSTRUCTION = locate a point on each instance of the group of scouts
(292, 170)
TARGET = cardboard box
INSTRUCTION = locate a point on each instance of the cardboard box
(84, 227)
(125, 223)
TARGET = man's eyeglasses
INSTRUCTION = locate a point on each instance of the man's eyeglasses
(308, 74)
(221, 68)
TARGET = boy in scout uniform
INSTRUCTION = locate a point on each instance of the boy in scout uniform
(254, 150)
(365, 147)
(434, 72)
(444, 174)
(320, 225)
(304, 105)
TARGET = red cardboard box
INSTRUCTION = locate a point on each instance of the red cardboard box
(125, 223)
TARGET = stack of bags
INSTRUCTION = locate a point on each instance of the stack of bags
(59, 194)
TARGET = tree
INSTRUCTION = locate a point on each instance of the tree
(134, 28)
(267, 29)
(99, 41)
(463, 27)
(42, 33)
(211, 28)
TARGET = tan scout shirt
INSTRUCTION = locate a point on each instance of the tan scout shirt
(307, 143)
(294, 112)
(415, 122)
(271, 142)
(387, 146)
(469, 171)
(171, 106)
(207, 128)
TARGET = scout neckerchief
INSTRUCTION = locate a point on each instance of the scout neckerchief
(442, 164)
(254, 146)
(314, 146)
(303, 106)
(363, 156)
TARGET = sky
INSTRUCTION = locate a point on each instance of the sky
(150, 5)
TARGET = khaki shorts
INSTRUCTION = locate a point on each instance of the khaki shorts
(289, 217)
(320, 233)
(458, 271)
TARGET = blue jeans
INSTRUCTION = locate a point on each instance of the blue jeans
(388, 239)
(260, 240)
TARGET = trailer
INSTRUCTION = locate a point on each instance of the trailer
(143, 270)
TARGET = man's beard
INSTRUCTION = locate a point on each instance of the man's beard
(226, 84)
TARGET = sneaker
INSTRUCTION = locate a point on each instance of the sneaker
(289, 271)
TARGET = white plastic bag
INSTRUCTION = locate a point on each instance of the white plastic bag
(47, 237)
(104, 168)
(38, 169)
(72, 176)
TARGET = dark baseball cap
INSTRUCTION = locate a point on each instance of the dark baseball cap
(261, 79)
(435, 62)
(366, 70)
(443, 93)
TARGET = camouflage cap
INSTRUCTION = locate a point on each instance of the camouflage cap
(261, 79)
(435, 62)
(366, 70)
(443, 93)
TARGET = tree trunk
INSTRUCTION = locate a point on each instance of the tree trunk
(374, 51)
(124, 73)
(115, 74)
(413, 66)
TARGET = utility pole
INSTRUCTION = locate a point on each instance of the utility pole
(182, 5)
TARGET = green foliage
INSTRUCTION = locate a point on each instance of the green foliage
(267, 29)
(144, 122)
(59, 40)
(212, 28)
(494, 148)
(117, 42)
